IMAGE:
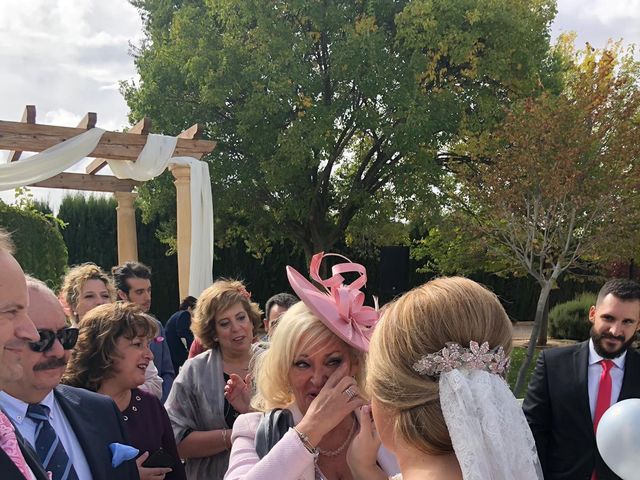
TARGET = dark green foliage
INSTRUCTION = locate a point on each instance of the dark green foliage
(91, 234)
(570, 320)
(40, 249)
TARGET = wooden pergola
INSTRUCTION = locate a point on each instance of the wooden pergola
(29, 136)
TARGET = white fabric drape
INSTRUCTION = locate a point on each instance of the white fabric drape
(49, 162)
(152, 161)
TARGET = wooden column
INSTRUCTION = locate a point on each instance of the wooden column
(182, 175)
(127, 237)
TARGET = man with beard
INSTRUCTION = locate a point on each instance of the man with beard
(71, 429)
(573, 386)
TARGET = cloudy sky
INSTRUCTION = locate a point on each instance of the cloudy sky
(67, 56)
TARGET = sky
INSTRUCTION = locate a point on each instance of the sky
(67, 57)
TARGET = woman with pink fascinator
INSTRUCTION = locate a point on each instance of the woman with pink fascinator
(309, 382)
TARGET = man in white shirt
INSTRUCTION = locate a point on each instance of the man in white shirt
(71, 429)
(573, 386)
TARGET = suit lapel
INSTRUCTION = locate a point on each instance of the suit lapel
(8, 468)
(31, 457)
(581, 375)
(630, 381)
(85, 429)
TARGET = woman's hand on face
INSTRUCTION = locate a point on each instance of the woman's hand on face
(150, 473)
(331, 405)
(362, 454)
(238, 392)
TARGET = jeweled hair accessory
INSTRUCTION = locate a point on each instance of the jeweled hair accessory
(340, 307)
(454, 356)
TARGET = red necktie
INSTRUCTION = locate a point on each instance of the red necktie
(9, 444)
(604, 397)
(604, 392)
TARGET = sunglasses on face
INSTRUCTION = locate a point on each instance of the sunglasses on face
(67, 338)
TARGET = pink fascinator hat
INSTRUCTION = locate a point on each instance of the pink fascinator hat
(340, 307)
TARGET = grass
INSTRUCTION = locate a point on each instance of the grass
(517, 357)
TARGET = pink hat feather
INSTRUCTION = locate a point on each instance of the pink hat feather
(340, 307)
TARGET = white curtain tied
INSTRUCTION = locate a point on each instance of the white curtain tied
(152, 161)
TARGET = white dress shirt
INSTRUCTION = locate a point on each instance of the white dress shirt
(17, 412)
(595, 372)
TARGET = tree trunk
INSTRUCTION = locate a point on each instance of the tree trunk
(542, 338)
(535, 332)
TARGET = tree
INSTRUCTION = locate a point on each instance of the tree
(560, 174)
(328, 114)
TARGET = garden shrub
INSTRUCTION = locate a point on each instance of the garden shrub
(570, 320)
(40, 249)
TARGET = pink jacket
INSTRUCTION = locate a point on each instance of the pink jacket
(287, 460)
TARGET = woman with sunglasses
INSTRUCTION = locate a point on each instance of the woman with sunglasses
(111, 356)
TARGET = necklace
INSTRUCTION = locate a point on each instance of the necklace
(338, 451)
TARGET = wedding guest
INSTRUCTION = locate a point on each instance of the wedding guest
(224, 320)
(573, 386)
(111, 357)
(178, 332)
(18, 461)
(84, 287)
(275, 307)
(439, 399)
(314, 368)
(87, 286)
(70, 428)
(133, 284)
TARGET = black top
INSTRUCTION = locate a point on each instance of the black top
(230, 413)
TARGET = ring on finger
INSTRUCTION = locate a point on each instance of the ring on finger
(351, 392)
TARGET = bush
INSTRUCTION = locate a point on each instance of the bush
(570, 320)
(40, 249)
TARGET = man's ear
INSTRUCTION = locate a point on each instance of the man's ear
(123, 296)
(266, 324)
(592, 314)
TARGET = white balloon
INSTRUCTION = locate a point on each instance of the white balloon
(618, 438)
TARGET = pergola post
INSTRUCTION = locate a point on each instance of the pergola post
(182, 175)
(127, 237)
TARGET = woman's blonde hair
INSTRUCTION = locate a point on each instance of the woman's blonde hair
(421, 322)
(220, 296)
(298, 330)
(92, 358)
(75, 279)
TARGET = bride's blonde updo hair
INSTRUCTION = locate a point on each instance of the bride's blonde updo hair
(421, 322)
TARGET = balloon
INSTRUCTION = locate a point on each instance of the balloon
(618, 438)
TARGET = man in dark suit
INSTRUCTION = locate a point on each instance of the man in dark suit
(70, 429)
(573, 386)
(17, 460)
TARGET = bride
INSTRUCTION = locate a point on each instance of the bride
(436, 371)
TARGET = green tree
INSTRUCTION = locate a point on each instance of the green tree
(329, 114)
(561, 179)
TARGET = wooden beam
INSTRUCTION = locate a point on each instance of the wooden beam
(95, 183)
(89, 121)
(112, 146)
(194, 131)
(141, 128)
(28, 116)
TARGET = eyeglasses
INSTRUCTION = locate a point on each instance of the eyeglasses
(67, 337)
